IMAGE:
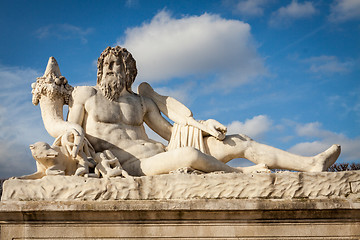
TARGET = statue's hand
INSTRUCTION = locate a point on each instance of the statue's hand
(216, 129)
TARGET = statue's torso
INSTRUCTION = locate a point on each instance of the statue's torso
(118, 126)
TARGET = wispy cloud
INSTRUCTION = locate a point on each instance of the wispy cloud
(64, 31)
(20, 121)
(348, 103)
(206, 45)
(323, 140)
(131, 3)
(300, 40)
(345, 10)
(284, 16)
(250, 8)
(327, 65)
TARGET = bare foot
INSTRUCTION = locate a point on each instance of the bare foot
(259, 168)
(325, 159)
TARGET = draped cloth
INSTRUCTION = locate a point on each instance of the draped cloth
(186, 136)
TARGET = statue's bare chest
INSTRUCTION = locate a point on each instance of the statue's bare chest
(127, 110)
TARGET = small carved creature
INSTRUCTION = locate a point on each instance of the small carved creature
(108, 165)
(50, 161)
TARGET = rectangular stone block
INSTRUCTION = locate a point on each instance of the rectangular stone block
(182, 219)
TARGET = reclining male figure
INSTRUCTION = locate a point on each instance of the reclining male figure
(112, 116)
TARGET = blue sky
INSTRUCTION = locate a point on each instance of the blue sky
(284, 72)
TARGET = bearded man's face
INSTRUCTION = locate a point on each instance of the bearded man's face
(113, 77)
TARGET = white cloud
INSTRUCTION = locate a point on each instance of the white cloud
(205, 45)
(328, 65)
(345, 10)
(310, 130)
(308, 148)
(20, 121)
(180, 93)
(254, 128)
(251, 7)
(350, 146)
(64, 31)
(284, 16)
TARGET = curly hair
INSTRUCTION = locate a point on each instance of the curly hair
(127, 59)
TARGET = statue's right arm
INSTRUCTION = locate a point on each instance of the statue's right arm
(76, 115)
(77, 104)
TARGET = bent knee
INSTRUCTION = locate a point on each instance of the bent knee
(190, 155)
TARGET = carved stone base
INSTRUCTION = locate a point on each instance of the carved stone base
(220, 206)
(285, 185)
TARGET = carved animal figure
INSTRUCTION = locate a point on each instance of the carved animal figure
(50, 161)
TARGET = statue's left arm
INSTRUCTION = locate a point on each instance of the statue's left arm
(180, 114)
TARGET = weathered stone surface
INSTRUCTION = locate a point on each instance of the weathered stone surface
(182, 219)
(285, 185)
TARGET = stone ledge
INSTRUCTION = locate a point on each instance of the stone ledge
(224, 209)
(286, 185)
(181, 205)
(182, 219)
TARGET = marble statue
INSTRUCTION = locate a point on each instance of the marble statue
(104, 133)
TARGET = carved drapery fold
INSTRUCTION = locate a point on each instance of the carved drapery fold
(186, 136)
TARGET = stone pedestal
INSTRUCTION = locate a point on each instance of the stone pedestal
(189, 219)
(219, 206)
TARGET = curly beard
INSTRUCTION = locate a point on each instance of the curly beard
(112, 86)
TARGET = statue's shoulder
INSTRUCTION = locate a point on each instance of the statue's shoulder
(148, 103)
(83, 93)
(146, 94)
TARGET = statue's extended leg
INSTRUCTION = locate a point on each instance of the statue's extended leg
(241, 146)
(172, 160)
